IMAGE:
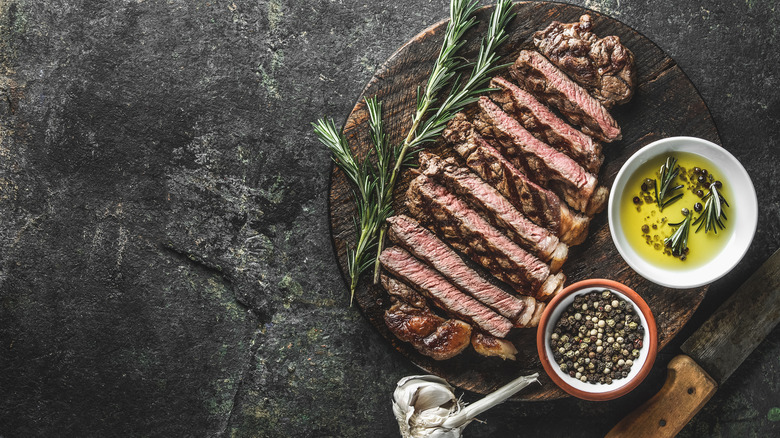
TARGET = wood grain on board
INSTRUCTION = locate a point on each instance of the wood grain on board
(665, 104)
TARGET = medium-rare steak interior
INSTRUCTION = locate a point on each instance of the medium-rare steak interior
(496, 209)
(538, 204)
(548, 83)
(436, 288)
(423, 244)
(545, 165)
(472, 235)
(546, 126)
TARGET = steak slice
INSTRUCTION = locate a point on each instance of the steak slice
(469, 233)
(537, 203)
(402, 292)
(492, 205)
(435, 287)
(605, 67)
(539, 161)
(549, 84)
(415, 238)
(546, 126)
(428, 333)
(487, 345)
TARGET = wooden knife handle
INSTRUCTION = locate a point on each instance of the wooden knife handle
(687, 388)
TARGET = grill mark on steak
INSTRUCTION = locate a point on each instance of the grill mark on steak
(423, 244)
(537, 203)
(605, 67)
(541, 162)
(428, 333)
(500, 213)
(436, 288)
(469, 233)
(402, 292)
(549, 84)
(546, 126)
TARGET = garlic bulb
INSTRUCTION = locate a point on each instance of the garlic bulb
(426, 407)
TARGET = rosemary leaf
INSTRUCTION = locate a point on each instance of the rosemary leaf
(678, 241)
(669, 171)
(712, 216)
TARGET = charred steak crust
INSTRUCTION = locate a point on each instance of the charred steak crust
(423, 244)
(493, 206)
(487, 345)
(546, 126)
(548, 83)
(438, 289)
(539, 161)
(402, 292)
(538, 204)
(469, 233)
(603, 66)
(428, 333)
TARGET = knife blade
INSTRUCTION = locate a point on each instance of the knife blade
(712, 353)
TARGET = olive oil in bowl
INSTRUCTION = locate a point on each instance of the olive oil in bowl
(646, 226)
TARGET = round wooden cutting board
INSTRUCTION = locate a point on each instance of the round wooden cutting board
(665, 104)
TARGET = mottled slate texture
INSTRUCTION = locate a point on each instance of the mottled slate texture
(165, 259)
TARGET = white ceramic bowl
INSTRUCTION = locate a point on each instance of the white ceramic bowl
(597, 391)
(744, 219)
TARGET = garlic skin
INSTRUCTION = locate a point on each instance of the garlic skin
(426, 406)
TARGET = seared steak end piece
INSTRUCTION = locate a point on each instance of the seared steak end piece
(429, 334)
(604, 66)
(487, 345)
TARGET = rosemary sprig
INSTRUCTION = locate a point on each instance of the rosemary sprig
(678, 241)
(712, 216)
(669, 171)
(445, 73)
(369, 179)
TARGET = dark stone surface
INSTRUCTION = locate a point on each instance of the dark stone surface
(165, 259)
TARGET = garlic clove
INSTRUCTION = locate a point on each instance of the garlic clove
(426, 406)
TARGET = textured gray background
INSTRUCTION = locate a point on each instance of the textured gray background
(165, 260)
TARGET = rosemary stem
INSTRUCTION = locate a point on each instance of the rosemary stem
(379, 247)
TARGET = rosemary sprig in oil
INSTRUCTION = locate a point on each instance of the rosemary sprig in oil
(713, 215)
(669, 171)
(678, 241)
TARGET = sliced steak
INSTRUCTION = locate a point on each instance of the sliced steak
(436, 288)
(408, 233)
(403, 292)
(604, 66)
(487, 345)
(537, 203)
(492, 205)
(546, 126)
(543, 164)
(428, 333)
(549, 84)
(469, 233)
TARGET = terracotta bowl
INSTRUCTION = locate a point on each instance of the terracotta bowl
(597, 391)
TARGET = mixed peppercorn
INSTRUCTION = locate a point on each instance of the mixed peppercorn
(597, 338)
